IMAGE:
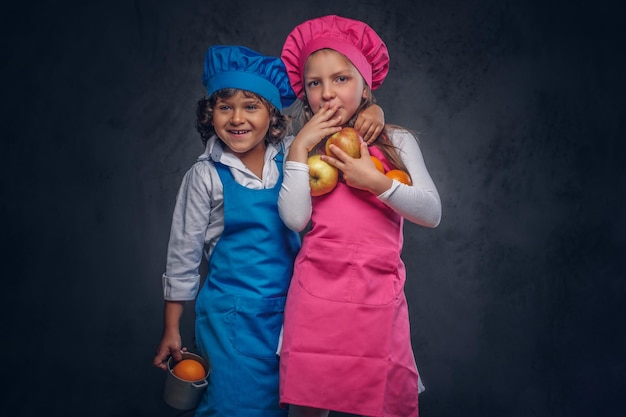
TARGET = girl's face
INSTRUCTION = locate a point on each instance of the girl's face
(330, 77)
(242, 122)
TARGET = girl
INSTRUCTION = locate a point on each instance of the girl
(347, 343)
(227, 208)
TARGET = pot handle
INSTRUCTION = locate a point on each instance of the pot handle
(200, 384)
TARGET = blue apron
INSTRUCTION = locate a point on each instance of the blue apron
(239, 310)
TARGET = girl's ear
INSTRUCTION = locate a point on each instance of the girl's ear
(364, 93)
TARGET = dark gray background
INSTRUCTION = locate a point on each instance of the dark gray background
(516, 299)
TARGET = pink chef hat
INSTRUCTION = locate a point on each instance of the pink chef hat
(353, 38)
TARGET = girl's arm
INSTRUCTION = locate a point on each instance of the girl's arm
(419, 203)
(294, 200)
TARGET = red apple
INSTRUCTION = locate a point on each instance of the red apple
(348, 140)
(322, 176)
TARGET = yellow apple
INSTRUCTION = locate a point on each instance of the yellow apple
(322, 176)
(348, 140)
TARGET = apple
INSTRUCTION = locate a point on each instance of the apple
(348, 140)
(323, 177)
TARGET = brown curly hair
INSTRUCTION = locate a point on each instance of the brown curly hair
(279, 123)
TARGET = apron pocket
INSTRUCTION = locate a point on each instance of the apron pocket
(349, 272)
(256, 325)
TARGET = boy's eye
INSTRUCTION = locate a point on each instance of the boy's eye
(252, 107)
(223, 107)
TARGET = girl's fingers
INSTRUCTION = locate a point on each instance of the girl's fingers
(328, 111)
(338, 153)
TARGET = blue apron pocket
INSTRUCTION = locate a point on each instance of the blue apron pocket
(256, 325)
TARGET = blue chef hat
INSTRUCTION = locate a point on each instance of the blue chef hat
(245, 69)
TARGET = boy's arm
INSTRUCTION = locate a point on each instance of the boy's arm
(170, 341)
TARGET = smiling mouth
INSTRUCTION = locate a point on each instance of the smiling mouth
(238, 132)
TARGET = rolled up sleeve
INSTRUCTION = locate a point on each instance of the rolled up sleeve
(180, 288)
(185, 250)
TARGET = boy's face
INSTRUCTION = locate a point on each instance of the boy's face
(241, 122)
(330, 77)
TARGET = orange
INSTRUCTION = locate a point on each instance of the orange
(397, 174)
(189, 370)
(378, 164)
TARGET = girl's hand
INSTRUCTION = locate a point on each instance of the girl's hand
(323, 124)
(370, 122)
(359, 172)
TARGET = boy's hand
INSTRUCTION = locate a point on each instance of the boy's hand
(170, 346)
(370, 122)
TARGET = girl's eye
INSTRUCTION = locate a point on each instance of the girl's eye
(342, 79)
(313, 83)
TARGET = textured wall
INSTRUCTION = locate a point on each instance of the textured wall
(514, 297)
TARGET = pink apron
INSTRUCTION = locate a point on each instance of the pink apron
(347, 342)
